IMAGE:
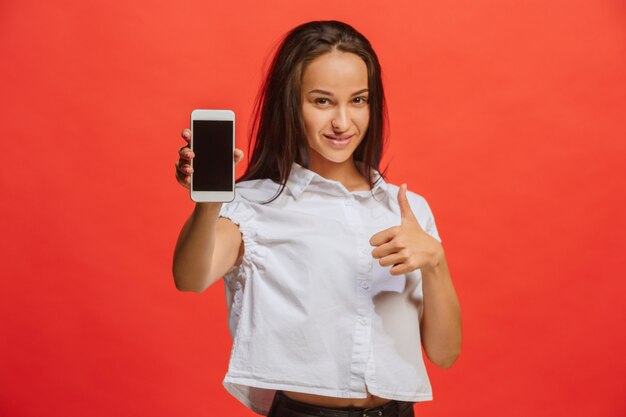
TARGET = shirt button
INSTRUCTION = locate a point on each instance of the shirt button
(348, 202)
(363, 320)
(365, 284)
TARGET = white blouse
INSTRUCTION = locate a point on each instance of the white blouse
(309, 308)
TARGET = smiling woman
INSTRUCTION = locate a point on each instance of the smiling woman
(339, 62)
(334, 110)
(334, 278)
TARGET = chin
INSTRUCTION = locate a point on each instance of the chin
(337, 157)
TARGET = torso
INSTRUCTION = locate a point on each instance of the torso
(333, 402)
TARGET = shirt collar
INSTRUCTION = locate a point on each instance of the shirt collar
(300, 178)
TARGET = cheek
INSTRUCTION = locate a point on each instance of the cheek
(306, 116)
(312, 119)
(308, 120)
(364, 119)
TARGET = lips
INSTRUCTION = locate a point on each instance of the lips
(336, 138)
(339, 142)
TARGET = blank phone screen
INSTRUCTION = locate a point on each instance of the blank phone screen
(213, 160)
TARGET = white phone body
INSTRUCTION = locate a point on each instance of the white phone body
(213, 145)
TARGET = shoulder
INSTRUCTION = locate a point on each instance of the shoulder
(246, 210)
(254, 191)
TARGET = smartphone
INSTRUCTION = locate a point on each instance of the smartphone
(213, 144)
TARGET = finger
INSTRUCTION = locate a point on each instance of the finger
(186, 134)
(186, 153)
(400, 269)
(184, 168)
(182, 179)
(181, 173)
(384, 236)
(393, 259)
(406, 213)
(385, 249)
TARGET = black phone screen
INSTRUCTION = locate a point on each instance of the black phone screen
(213, 160)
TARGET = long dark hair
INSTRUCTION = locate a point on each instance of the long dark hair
(277, 127)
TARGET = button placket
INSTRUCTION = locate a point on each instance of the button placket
(363, 300)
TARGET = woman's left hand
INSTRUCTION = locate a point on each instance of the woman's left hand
(407, 247)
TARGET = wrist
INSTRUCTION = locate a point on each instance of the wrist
(436, 262)
(206, 210)
(210, 206)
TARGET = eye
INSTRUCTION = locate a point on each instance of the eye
(360, 100)
(321, 100)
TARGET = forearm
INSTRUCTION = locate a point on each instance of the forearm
(441, 321)
(194, 248)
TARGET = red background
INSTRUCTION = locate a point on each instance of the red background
(508, 116)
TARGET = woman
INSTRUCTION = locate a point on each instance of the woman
(334, 278)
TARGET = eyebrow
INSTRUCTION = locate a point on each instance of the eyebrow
(328, 93)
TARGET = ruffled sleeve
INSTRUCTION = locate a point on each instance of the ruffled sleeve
(422, 210)
(431, 227)
(240, 212)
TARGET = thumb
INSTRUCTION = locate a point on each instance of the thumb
(406, 213)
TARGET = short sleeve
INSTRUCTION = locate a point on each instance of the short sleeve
(241, 213)
(431, 227)
(424, 214)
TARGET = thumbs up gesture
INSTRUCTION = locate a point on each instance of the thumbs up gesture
(407, 247)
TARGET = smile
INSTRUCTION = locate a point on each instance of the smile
(339, 141)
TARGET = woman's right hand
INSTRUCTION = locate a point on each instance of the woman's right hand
(183, 165)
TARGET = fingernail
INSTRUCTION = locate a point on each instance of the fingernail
(186, 134)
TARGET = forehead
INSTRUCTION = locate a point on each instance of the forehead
(336, 70)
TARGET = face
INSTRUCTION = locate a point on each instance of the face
(335, 107)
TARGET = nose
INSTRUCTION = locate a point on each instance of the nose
(340, 122)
